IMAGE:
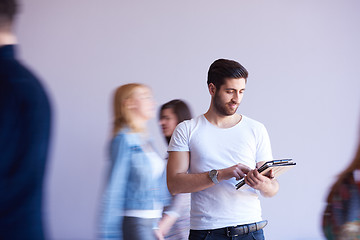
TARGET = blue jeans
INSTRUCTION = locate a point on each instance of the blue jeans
(211, 235)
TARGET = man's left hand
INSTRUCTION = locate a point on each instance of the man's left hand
(257, 181)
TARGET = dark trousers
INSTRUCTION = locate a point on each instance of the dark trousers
(220, 235)
(139, 228)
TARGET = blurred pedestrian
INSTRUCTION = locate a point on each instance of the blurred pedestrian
(134, 195)
(24, 138)
(341, 219)
(175, 224)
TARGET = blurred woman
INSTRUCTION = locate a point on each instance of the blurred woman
(175, 223)
(341, 219)
(133, 199)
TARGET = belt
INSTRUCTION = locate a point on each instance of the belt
(241, 229)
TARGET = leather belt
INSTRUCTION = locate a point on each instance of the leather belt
(240, 229)
(244, 229)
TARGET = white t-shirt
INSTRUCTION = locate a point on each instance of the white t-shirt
(217, 148)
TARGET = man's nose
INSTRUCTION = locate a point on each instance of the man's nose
(236, 97)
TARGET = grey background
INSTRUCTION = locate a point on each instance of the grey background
(303, 59)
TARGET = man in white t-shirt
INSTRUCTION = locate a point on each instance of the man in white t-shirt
(210, 153)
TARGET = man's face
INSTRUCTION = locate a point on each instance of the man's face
(228, 98)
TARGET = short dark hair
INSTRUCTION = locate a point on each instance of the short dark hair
(222, 69)
(8, 11)
(180, 108)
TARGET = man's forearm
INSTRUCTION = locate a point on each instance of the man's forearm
(188, 182)
(271, 189)
(180, 181)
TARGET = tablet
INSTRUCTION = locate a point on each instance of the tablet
(278, 166)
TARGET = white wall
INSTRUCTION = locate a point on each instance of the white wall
(302, 55)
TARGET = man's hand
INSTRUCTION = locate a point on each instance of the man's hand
(267, 185)
(257, 181)
(238, 171)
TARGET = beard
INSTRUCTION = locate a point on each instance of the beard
(221, 108)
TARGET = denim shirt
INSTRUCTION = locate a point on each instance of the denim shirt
(130, 183)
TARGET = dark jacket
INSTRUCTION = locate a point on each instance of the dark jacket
(24, 139)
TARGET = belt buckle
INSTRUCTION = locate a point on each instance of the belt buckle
(229, 233)
(234, 231)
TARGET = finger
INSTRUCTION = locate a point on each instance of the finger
(243, 168)
(260, 177)
(255, 178)
(256, 173)
(239, 173)
(252, 173)
(271, 174)
(249, 181)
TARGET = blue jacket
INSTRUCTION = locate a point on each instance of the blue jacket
(130, 184)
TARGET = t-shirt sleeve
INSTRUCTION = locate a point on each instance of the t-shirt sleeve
(180, 139)
(263, 147)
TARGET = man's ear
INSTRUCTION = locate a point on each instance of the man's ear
(212, 89)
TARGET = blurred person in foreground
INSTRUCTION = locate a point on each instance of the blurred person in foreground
(24, 138)
(135, 192)
(175, 224)
(341, 219)
(209, 153)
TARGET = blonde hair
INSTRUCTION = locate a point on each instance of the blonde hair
(122, 117)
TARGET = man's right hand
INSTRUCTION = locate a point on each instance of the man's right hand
(238, 171)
